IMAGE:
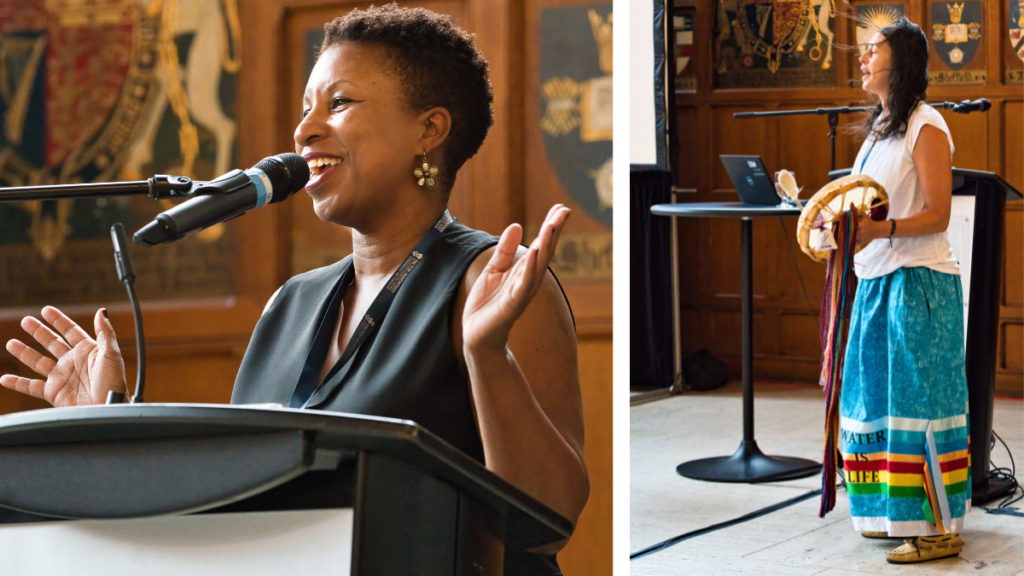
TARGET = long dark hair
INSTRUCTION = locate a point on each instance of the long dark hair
(908, 81)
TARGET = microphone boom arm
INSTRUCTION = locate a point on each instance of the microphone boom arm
(964, 107)
(158, 187)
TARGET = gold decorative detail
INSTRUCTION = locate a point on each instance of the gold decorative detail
(958, 77)
(588, 104)
(81, 13)
(17, 94)
(817, 31)
(582, 256)
(426, 174)
(49, 231)
(603, 36)
(230, 37)
(956, 12)
(881, 16)
(939, 32)
(974, 31)
(188, 135)
(751, 40)
(561, 115)
(596, 109)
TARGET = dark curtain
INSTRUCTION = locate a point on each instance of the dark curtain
(650, 276)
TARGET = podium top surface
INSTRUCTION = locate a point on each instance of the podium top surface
(722, 210)
(332, 431)
(962, 177)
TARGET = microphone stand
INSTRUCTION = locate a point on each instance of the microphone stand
(833, 120)
(833, 116)
(158, 187)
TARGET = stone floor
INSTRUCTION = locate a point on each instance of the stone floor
(793, 541)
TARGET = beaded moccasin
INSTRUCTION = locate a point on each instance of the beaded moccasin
(925, 548)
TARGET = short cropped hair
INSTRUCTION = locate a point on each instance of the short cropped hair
(438, 64)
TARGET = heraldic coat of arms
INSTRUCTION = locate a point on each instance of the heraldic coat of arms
(956, 31)
(1017, 27)
(576, 77)
(773, 29)
(99, 90)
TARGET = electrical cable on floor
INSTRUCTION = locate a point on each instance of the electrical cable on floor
(803, 287)
(757, 514)
(1003, 475)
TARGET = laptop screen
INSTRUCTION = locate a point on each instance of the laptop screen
(751, 180)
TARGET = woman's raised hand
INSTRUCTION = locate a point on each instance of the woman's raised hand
(506, 285)
(85, 369)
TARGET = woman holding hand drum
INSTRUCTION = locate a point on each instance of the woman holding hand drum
(903, 425)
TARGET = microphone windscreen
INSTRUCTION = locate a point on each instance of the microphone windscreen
(288, 173)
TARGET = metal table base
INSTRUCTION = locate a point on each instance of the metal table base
(749, 464)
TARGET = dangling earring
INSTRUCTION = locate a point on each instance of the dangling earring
(427, 174)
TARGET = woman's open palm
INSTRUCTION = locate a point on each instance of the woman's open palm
(85, 369)
(506, 285)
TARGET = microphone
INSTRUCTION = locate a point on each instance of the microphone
(272, 180)
(967, 106)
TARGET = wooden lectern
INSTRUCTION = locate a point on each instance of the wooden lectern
(219, 489)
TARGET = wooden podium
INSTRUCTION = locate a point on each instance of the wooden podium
(219, 489)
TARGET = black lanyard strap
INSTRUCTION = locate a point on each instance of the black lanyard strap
(309, 382)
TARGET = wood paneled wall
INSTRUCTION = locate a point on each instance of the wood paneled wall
(786, 344)
(194, 347)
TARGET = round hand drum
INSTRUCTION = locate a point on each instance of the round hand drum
(828, 204)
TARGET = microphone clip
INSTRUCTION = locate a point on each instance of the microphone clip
(226, 184)
(163, 186)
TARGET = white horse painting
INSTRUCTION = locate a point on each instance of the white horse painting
(824, 15)
(200, 76)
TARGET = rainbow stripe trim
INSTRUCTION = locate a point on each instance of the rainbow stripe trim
(884, 461)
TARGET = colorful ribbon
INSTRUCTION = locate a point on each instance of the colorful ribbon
(836, 302)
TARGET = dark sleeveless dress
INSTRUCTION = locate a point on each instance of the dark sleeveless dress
(412, 373)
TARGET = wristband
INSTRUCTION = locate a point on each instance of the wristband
(891, 232)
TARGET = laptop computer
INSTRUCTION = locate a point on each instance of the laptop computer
(752, 181)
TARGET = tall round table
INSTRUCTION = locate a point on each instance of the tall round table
(748, 464)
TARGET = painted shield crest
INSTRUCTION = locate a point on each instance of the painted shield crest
(956, 31)
(684, 41)
(83, 74)
(74, 80)
(1017, 27)
(103, 90)
(775, 27)
(576, 97)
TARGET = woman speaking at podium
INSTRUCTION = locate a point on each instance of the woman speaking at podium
(467, 334)
(904, 397)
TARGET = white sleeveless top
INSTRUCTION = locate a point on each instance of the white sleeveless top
(891, 163)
